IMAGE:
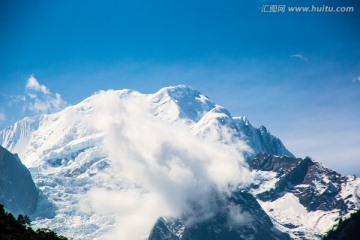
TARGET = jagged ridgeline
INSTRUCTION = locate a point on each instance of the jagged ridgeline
(315, 196)
(121, 155)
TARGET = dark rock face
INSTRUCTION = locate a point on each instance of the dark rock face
(18, 192)
(316, 187)
(250, 222)
(167, 229)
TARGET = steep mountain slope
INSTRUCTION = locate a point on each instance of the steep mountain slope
(315, 196)
(16, 137)
(17, 190)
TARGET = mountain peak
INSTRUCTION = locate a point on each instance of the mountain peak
(183, 101)
(179, 88)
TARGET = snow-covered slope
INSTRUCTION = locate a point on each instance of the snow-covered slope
(117, 161)
(208, 119)
(173, 104)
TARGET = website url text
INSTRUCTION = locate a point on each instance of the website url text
(315, 9)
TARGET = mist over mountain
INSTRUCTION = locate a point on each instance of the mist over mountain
(172, 165)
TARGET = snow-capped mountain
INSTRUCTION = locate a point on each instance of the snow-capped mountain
(118, 162)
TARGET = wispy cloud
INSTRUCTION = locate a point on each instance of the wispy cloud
(39, 99)
(2, 117)
(300, 56)
(356, 79)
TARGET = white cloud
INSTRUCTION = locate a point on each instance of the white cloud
(39, 99)
(34, 85)
(162, 168)
(300, 56)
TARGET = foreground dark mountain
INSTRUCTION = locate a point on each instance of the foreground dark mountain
(18, 192)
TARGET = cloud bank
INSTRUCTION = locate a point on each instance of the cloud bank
(158, 169)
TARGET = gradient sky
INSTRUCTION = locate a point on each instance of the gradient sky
(296, 73)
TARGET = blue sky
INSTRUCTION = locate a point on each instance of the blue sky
(296, 73)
